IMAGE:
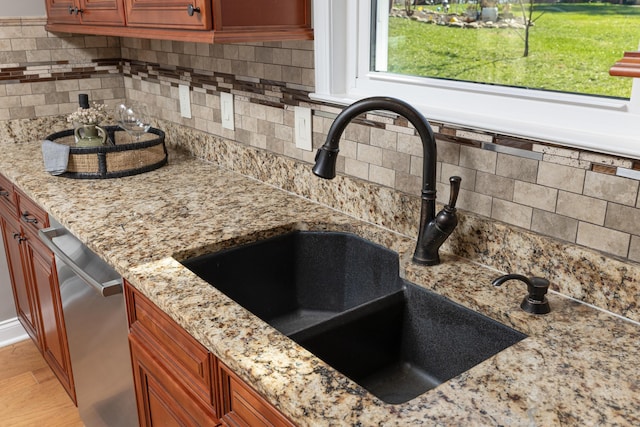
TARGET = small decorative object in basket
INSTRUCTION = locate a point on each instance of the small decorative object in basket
(118, 158)
(88, 132)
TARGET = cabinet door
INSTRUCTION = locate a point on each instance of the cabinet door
(243, 407)
(53, 337)
(102, 12)
(170, 14)
(163, 401)
(60, 12)
(254, 20)
(23, 294)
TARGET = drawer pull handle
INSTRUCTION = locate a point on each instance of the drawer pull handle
(75, 10)
(191, 9)
(30, 220)
(19, 237)
(4, 193)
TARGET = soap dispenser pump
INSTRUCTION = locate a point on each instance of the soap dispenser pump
(535, 302)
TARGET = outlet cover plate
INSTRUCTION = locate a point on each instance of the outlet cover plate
(303, 131)
(185, 101)
(226, 110)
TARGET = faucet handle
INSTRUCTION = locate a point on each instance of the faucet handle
(536, 301)
(454, 181)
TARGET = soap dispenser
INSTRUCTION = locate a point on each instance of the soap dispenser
(535, 302)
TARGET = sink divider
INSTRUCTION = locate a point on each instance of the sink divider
(353, 314)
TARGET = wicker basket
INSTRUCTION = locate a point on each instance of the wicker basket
(123, 157)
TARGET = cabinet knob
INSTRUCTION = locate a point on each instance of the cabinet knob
(71, 10)
(191, 9)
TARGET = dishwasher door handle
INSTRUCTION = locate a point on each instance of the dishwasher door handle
(112, 287)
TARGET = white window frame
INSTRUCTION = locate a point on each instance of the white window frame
(342, 52)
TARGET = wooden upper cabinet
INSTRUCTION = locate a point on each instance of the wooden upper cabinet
(173, 14)
(263, 20)
(203, 21)
(92, 12)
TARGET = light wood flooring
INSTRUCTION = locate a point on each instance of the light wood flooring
(30, 394)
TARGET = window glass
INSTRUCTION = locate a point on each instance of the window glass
(567, 47)
(577, 104)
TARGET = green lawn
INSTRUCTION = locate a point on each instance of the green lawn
(572, 47)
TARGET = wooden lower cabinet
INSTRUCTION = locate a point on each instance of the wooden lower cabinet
(162, 399)
(24, 294)
(34, 282)
(53, 334)
(180, 383)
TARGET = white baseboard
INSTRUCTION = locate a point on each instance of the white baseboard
(11, 331)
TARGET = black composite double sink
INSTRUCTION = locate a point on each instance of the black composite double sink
(340, 296)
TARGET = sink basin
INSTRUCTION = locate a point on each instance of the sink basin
(341, 297)
(299, 279)
(403, 345)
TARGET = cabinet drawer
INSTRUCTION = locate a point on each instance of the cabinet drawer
(173, 14)
(8, 202)
(179, 350)
(32, 216)
(242, 406)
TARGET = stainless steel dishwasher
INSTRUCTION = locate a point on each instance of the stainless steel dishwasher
(96, 322)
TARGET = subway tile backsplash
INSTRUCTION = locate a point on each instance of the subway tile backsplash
(548, 193)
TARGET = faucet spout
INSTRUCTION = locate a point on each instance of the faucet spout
(327, 155)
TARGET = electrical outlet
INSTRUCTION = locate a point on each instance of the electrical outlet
(226, 110)
(302, 128)
(185, 101)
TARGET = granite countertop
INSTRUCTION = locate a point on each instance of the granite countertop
(577, 367)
